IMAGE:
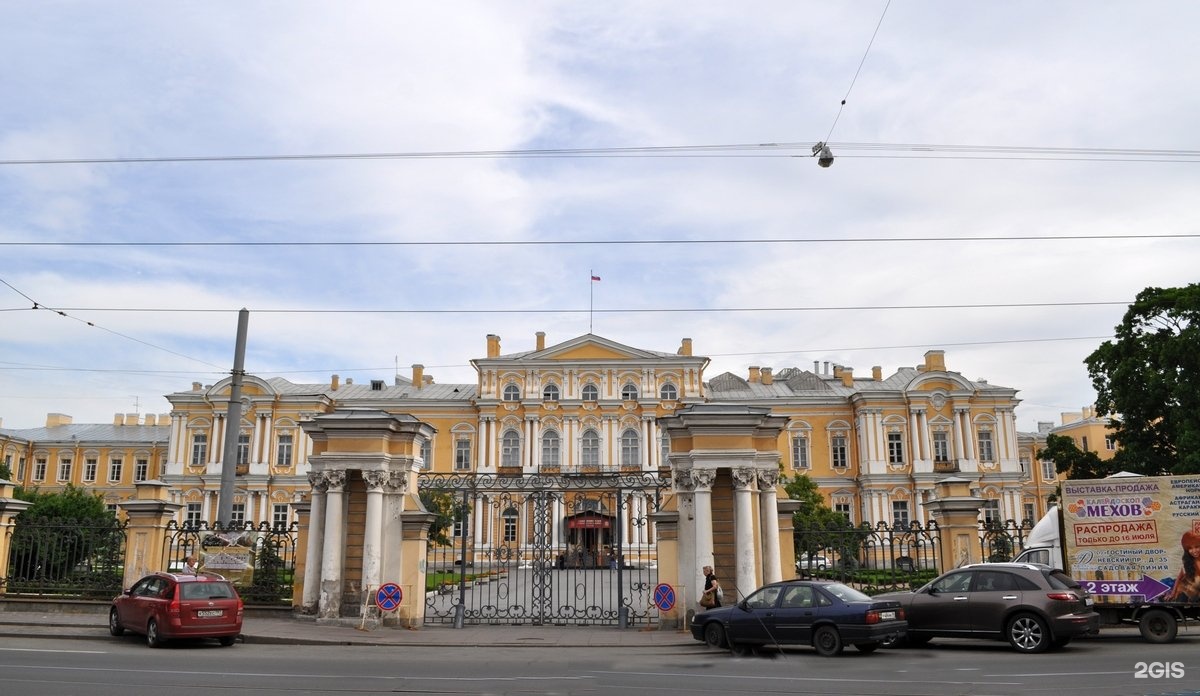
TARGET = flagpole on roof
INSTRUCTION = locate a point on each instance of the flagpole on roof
(591, 291)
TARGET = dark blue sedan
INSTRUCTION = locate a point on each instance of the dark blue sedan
(825, 615)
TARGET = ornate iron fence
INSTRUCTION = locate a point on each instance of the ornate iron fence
(1002, 541)
(544, 549)
(259, 560)
(64, 558)
(873, 559)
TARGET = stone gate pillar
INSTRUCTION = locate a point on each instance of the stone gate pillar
(10, 507)
(956, 512)
(146, 536)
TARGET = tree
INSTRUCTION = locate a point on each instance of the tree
(61, 532)
(447, 511)
(816, 526)
(5, 472)
(1074, 462)
(1149, 375)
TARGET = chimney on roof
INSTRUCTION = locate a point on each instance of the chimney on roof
(418, 375)
(541, 340)
(877, 373)
(493, 346)
(196, 386)
(333, 383)
(428, 379)
(119, 419)
(767, 376)
(685, 347)
(754, 374)
(816, 367)
(148, 419)
(377, 385)
(132, 419)
(847, 376)
(826, 370)
(349, 381)
(55, 419)
(935, 360)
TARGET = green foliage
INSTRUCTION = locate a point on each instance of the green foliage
(5, 472)
(447, 511)
(817, 527)
(1150, 375)
(71, 502)
(1073, 461)
(63, 535)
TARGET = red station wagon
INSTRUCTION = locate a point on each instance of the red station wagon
(166, 606)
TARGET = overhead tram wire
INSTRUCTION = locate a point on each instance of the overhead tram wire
(595, 242)
(742, 150)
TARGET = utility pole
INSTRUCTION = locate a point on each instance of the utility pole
(233, 424)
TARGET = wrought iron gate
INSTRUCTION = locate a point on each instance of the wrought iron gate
(542, 549)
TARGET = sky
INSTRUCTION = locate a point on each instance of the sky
(163, 165)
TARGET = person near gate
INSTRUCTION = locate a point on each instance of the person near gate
(711, 597)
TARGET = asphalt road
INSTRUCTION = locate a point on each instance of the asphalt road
(108, 667)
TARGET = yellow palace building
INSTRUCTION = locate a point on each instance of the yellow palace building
(875, 443)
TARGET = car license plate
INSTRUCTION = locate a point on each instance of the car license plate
(208, 613)
(887, 616)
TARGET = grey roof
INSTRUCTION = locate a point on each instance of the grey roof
(365, 392)
(793, 381)
(93, 433)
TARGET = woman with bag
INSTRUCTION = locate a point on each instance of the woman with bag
(711, 597)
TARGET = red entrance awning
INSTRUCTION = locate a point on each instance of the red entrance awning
(589, 523)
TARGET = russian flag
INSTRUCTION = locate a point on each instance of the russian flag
(595, 277)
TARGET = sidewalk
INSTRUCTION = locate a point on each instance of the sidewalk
(305, 631)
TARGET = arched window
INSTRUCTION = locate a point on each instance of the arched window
(629, 392)
(631, 449)
(510, 524)
(510, 449)
(512, 393)
(550, 393)
(589, 449)
(668, 392)
(551, 450)
(590, 392)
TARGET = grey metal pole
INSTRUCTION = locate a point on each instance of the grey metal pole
(233, 424)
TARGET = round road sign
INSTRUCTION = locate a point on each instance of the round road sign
(388, 596)
(664, 596)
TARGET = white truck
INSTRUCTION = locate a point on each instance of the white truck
(1125, 540)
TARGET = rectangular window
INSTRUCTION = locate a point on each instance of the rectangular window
(1109, 443)
(39, 469)
(838, 457)
(199, 449)
(551, 456)
(141, 469)
(279, 515)
(991, 511)
(114, 471)
(238, 514)
(900, 513)
(283, 451)
(844, 508)
(1024, 466)
(243, 451)
(21, 469)
(426, 454)
(192, 516)
(90, 465)
(64, 469)
(1048, 472)
(1030, 515)
(895, 448)
(630, 452)
(941, 446)
(461, 518)
(462, 454)
(666, 450)
(510, 527)
(589, 450)
(800, 452)
(986, 452)
(1083, 443)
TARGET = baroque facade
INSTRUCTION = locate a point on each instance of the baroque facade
(876, 444)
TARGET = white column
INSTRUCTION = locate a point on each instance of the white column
(216, 442)
(477, 522)
(331, 558)
(704, 479)
(316, 537)
(914, 437)
(960, 451)
(373, 531)
(968, 435)
(743, 526)
(926, 435)
(768, 523)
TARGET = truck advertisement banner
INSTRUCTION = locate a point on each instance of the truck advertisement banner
(1129, 539)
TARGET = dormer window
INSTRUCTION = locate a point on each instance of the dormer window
(512, 393)
(591, 393)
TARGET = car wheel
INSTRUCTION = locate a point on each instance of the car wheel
(227, 640)
(827, 641)
(114, 623)
(714, 635)
(1027, 633)
(152, 638)
(1158, 626)
(866, 647)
